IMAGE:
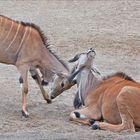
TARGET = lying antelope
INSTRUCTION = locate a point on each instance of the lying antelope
(25, 46)
(111, 103)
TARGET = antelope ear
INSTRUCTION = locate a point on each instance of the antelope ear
(91, 50)
(76, 57)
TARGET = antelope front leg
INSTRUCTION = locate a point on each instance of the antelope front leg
(85, 116)
(38, 80)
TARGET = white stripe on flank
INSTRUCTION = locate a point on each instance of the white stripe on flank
(14, 37)
(2, 28)
(26, 29)
(8, 32)
(0, 25)
(0, 20)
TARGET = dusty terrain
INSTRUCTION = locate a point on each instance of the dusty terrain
(112, 27)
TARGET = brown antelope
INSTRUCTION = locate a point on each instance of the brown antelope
(110, 103)
(25, 46)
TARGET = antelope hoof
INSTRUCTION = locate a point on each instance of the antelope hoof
(49, 101)
(91, 121)
(25, 114)
(95, 126)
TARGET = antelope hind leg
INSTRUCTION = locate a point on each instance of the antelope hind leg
(128, 102)
(23, 69)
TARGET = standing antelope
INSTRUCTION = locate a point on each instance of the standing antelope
(25, 46)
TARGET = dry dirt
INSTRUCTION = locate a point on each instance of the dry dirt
(112, 27)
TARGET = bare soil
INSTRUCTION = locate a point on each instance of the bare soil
(112, 27)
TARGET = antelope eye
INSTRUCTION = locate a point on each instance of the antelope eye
(62, 84)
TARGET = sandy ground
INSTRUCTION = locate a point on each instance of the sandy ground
(112, 27)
